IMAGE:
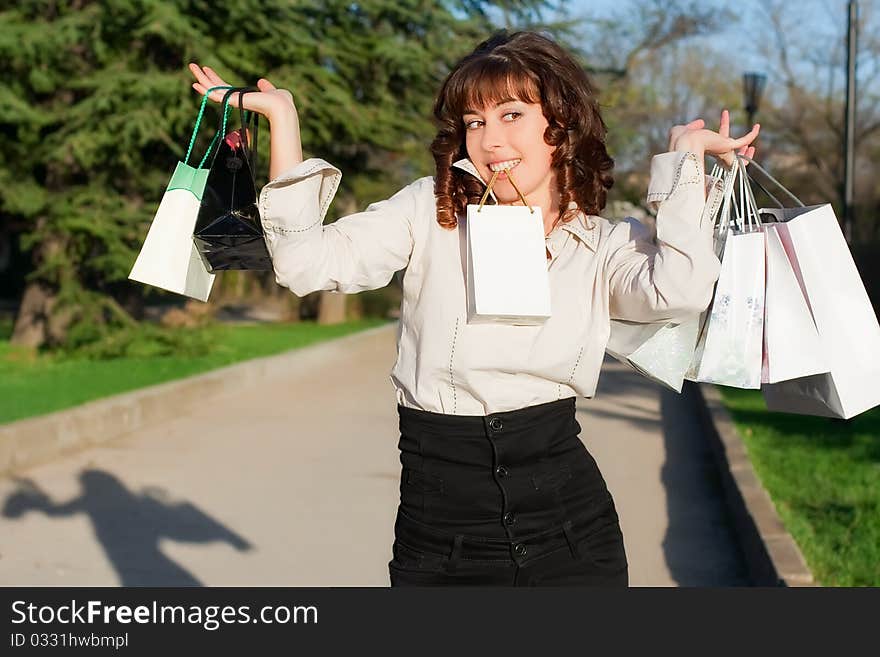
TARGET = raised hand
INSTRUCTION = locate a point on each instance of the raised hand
(724, 131)
(694, 137)
(269, 101)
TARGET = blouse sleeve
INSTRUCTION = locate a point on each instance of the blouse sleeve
(355, 253)
(673, 275)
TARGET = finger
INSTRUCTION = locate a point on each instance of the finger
(215, 79)
(199, 75)
(216, 95)
(264, 85)
(204, 83)
(747, 139)
(724, 129)
(745, 150)
(696, 123)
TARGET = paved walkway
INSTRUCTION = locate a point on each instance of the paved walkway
(295, 483)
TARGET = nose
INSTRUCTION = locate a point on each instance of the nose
(492, 137)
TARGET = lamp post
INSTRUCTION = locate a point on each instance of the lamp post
(753, 87)
(849, 147)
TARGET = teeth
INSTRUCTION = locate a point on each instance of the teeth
(504, 166)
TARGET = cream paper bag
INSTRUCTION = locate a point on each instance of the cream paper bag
(169, 258)
(507, 280)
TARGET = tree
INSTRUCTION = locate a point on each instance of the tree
(654, 70)
(99, 107)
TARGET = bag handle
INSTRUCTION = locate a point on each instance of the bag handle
(752, 221)
(246, 118)
(730, 176)
(492, 183)
(778, 184)
(195, 132)
(738, 208)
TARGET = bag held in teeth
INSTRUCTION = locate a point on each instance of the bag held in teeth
(507, 280)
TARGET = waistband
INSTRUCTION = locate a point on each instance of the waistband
(511, 421)
(454, 546)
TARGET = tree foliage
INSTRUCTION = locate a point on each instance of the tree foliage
(96, 107)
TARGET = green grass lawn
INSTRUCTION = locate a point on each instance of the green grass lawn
(35, 384)
(824, 477)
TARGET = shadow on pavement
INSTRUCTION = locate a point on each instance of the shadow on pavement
(129, 525)
(700, 545)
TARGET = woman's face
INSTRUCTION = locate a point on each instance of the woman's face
(513, 130)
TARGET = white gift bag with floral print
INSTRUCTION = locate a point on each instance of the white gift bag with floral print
(729, 349)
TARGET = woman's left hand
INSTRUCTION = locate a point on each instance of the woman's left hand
(694, 137)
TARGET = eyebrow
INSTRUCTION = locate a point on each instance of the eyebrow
(504, 101)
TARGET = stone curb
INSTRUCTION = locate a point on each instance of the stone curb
(771, 554)
(27, 442)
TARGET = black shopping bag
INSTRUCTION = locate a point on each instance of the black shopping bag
(228, 233)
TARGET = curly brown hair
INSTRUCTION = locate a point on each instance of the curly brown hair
(535, 69)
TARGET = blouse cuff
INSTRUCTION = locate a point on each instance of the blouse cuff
(670, 172)
(298, 199)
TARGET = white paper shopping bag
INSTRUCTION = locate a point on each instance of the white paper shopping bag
(729, 349)
(507, 280)
(169, 258)
(849, 334)
(792, 347)
(659, 351)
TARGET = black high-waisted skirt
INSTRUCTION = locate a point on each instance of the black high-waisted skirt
(507, 499)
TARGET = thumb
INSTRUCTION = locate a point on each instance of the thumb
(264, 85)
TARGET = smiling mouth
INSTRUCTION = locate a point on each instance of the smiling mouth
(507, 165)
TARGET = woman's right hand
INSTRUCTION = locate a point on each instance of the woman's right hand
(269, 101)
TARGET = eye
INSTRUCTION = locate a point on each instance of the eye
(468, 124)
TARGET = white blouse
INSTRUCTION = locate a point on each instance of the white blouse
(598, 269)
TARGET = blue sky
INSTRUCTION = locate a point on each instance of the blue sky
(825, 20)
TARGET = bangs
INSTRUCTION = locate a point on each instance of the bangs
(485, 82)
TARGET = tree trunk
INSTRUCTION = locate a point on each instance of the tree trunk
(32, 321)
(331, 309)
(34, 324)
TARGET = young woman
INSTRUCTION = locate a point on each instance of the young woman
(496, 486)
